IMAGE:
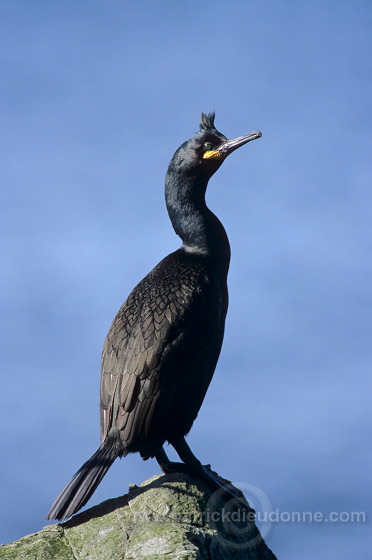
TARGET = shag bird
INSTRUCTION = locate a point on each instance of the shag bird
(163, 345)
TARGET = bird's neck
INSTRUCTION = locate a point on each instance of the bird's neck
(200, 230)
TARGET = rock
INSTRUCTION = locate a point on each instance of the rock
(170, 517)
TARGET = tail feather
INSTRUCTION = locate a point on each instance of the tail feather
(82, 485)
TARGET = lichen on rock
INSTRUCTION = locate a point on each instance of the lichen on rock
(170, 516)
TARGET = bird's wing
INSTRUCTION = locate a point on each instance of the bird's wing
(138, 352)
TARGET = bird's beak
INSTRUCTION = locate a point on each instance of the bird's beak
(230, 145)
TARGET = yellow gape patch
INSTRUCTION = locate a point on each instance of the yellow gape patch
(214, 154)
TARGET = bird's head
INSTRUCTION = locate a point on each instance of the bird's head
(189, 171)
(203, 154)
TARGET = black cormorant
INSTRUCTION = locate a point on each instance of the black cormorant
(163, 345)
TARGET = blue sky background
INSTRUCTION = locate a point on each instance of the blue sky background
(96, 97)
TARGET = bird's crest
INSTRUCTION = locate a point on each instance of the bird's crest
(207, 125)
(207, 122)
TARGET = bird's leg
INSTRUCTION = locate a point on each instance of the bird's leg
(203, 471)
(168, 466)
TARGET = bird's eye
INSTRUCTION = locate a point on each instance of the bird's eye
(208, 146)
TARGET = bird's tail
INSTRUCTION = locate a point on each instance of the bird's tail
(82, 485)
